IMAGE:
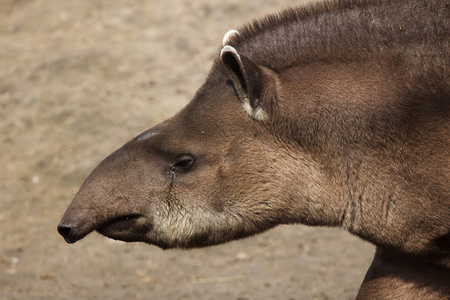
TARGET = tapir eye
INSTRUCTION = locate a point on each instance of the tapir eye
(183, 162)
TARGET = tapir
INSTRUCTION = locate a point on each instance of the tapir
(331, 114)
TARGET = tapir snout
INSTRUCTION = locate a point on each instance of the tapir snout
(104, 201)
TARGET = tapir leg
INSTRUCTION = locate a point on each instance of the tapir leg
(394, 276)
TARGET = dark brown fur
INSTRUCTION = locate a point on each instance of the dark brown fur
(346, 122)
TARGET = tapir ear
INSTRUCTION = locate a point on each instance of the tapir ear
(248, 77)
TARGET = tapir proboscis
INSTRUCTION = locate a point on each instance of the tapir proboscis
(333, 114)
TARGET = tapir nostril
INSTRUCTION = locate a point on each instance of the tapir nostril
(65, 231)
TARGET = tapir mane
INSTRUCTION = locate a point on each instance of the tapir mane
(347, 30)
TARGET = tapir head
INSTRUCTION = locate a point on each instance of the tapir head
(214, 172)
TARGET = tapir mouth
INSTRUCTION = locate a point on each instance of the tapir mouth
(127, 228)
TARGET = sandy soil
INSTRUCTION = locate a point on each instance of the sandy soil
(77, 80)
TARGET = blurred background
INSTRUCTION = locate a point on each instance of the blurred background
(77, 80)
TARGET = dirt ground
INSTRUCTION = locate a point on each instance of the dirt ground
(77, 80)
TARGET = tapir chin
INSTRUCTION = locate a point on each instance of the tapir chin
(333, 114)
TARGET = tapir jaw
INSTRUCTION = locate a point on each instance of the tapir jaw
(127, 228)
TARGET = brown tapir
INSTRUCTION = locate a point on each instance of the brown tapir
(334, 114)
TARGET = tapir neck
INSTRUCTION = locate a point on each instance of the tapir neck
(367, 165)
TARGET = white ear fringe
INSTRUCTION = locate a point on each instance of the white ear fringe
(228, 35)
(227, 48)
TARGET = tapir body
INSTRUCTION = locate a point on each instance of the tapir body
(335, 114)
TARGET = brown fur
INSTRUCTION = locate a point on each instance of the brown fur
(346, 123)
(398, 276)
